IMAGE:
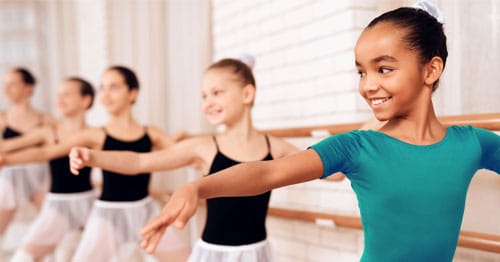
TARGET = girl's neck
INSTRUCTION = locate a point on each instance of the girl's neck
(421, 127)
(241, 130)
(122, 120)
(23, 107)
(74, 122)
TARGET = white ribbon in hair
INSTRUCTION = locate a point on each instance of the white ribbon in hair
(248, 59)
(431, 9)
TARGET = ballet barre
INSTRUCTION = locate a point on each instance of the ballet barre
(487, 121)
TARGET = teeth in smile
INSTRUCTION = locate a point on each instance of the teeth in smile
(379, 101)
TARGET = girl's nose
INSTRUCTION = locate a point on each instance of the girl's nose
(370, 84)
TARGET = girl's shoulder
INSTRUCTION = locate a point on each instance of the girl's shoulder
(201, 147)
(156, 133)
(154, 130)
(92, 133)
(279, 147)
(92, 137)
(204, 144)
(203, 140)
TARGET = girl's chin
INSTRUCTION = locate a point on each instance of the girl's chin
(215, 122)
(381, 116)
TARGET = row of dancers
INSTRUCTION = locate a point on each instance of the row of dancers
(405, 175)
(73, 195)
(112, 221)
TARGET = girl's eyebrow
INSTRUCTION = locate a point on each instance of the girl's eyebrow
(378, 59)
(383, 58)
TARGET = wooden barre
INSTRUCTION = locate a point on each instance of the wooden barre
(474, 240)
(487, 121)
(467, 239)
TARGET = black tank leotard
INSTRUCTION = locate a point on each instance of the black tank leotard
(117, 187)
(233, 221)
(63, 181)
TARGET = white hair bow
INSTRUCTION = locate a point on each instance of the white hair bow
(248, 59)
(431, 9)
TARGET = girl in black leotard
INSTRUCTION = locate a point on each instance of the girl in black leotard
(235, 227)
(124, 205)
(21, 183)
(68, 204)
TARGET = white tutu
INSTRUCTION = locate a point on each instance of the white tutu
(61, 214)
(18, 184)
(206, 252)
(112, 231)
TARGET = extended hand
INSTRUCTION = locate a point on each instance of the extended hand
(179, 209)
(78, 158)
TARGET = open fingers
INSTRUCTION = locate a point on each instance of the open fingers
(152, 242)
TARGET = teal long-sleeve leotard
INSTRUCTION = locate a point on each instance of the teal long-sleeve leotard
(411, 197)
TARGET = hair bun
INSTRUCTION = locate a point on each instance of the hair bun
(431, 9)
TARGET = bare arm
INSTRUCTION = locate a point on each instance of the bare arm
(297, 168)
(36, 137)
(281, 147)
(175, 156)
(238, 180)
(89, 137)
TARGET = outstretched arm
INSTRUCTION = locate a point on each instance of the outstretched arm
(36, 137)
(177, 155)
(90, 138)
(238, 180)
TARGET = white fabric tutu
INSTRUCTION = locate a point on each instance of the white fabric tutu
(18, 184)
(206, 252)
(112, 231)
(61, 214)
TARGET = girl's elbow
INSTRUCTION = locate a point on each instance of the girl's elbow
(273, 177)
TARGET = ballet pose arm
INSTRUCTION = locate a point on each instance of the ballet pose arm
(238, 180)
(91, 137)
(178, 155)
(36, 137)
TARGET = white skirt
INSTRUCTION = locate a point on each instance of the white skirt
(18, 184)
(61, 215)
(112, 231)
(206, 252)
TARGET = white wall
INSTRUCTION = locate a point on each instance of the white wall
(305, 76)
(304, 57)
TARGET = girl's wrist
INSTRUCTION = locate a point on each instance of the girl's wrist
(195, 187)
(90, 160)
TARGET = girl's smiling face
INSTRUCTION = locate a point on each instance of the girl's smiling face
(392, 78)
(225, 97)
